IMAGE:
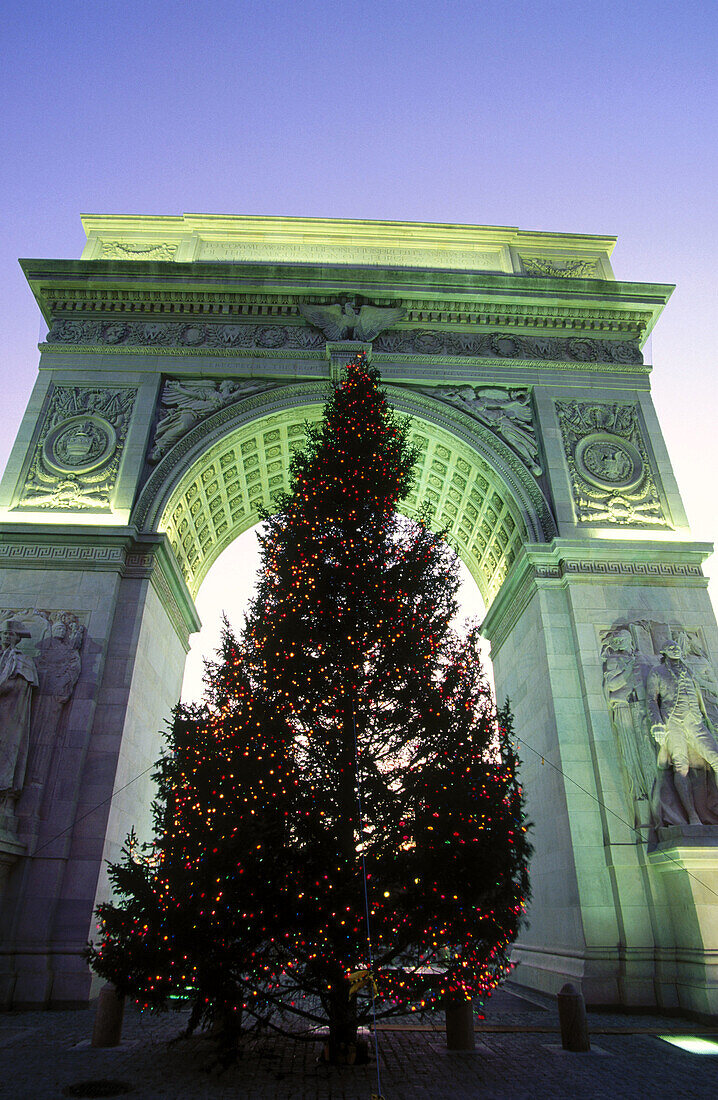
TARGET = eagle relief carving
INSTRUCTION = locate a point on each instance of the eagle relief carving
(344, 321)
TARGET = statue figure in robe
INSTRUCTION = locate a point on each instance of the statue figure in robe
(18, 678)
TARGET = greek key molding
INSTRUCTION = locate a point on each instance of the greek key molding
(528, 576)
(630, 569)
(32, 554)
(145, 563)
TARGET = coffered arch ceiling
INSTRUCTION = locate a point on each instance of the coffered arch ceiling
(219, 485)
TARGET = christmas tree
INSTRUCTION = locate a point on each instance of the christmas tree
(339, 828)
(191, 924)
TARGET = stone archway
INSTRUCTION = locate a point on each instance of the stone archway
(207, 490)
(182, 357)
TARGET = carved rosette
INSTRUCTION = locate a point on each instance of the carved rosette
(611, 477)
(75, 462)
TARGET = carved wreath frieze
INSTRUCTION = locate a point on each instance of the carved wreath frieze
(430, 342)
(76, 459)
(611, 477)
(122, 250)
(502, 345)
(187, 334)
(185, 403)
(561, 269)
(507, 412)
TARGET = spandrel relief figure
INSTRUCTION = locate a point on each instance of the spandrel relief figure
(624, 676)
(18, 678)
(185, 403)
(504, 411)
(688, 746)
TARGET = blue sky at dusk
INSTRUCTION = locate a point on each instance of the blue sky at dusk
(574, 117)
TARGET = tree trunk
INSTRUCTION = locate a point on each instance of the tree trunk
(341, 1049)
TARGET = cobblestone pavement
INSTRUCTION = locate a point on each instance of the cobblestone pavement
(518, 1055)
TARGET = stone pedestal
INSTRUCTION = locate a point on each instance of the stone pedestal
(686, 862)
(107, 1030)
(572, 1018)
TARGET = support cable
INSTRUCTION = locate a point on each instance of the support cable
(608, 809)
(520, 740)
(366, 908)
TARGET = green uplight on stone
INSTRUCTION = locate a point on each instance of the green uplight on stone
(694, 1044)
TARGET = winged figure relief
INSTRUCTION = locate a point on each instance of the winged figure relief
(343, 321)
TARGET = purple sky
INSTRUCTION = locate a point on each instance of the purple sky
(571, 116)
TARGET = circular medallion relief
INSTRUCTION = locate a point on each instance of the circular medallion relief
(608, 461)
(79, 444)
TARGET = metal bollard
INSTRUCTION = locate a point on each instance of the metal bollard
(460, 1025)
(107, 1031)
(572, 1018)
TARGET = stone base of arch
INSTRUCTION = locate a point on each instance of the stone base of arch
(86, 790)
(621, 913)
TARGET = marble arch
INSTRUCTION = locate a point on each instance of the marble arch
(207, 489)
(182, 357)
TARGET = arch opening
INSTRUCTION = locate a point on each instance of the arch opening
(240, 562)
(219, 496)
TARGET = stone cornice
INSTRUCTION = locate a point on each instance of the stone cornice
(247, 292)
(563, 562)
(231, 304)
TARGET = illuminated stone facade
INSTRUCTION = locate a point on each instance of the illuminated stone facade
(183, 357)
